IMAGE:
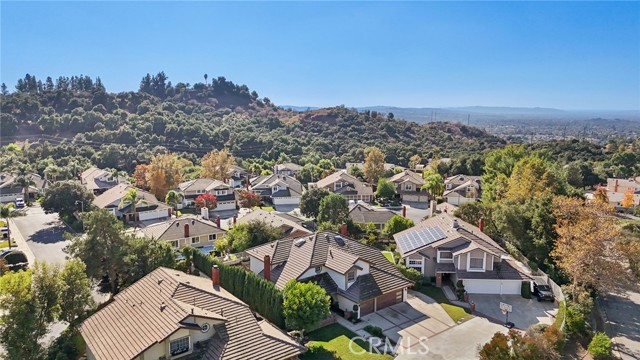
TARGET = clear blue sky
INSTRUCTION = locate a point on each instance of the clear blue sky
(570, 55)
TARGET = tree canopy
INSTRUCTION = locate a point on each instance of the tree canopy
(249, 234)
(310, 201)
(305, 304)
(333, 209)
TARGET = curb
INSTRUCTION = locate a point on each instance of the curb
(20, 243)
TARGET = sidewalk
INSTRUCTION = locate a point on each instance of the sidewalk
(17, 241)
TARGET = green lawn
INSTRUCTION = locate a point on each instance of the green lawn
(4, 244)
(457, 313)
(560, 315)
(265, 208)
(332, 342)
(389, 256)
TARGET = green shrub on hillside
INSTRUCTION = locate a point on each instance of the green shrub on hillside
(600, 346)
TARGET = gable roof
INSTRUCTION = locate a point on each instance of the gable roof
(173, 229)
(264, 184)
(289, 166)
(407, 175)
(462, 188)
(326, 248)
(116, 193)
(276, 220)
(202, 184)
(159, 304)
(363, 214)
(341, 175)
(439, 230)
(460, 179)
(90, 178)
(8, 185)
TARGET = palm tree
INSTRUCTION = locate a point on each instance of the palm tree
(132, 198)
(24, 180)
(6, 211)
(173, 198)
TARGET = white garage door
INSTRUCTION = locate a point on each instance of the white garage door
(492, 286)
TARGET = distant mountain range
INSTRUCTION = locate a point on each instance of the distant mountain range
(483, 115)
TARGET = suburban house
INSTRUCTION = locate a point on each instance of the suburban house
(618, 188)
(285, 222)
(237, 177)
(462, 189)
(352, 273)
(450, 249)
(278, 189)
(289, 169)
(362, 214)
(10, 190)
(224, 193)
(190, 230)
(171, 315)
(344, 184)
(409, 186)
(98, 180)
(148, 208)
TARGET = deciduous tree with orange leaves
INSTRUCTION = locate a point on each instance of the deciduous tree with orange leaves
(628, 199)
(165, 173)
(590, 249)
(217, 164)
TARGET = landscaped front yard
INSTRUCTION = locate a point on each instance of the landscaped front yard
(457, 313)
(332, 342)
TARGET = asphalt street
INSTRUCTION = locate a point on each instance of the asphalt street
(44, 234)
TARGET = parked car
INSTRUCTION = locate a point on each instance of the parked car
(4, 232)
(543, 292)
(16, 259)
(19, 202)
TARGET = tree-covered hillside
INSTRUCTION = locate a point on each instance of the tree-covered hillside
(78, 118)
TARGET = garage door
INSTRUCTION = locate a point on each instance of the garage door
(492, 286)
(389, 299)
(366, 307)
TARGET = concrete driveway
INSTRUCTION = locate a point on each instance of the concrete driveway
(43, 234)
(623, 319)
(457, 343)
(526, 312)
(415, 211)
(412, 322)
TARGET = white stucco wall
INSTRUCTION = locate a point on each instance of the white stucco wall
(255, 265)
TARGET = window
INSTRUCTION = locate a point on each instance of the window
(221, 192)
(408, 186)
(445, 256)
(174, 243)
(415, 262)
(351, 275)
(179, 346)
(199, 191)
(338, 185)
(212, 237)
(318, 269)
(476, 262)
(449, 186)
(195, 239)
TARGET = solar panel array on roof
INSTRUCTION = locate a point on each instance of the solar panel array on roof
(418, 238)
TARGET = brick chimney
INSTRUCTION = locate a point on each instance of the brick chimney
(481, 224)
(267, 268)
(615, 189)
(218, 221)
(343, 229)
(215, 275)
(186, 230)
(404, 211)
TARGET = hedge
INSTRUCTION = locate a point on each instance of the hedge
(525, 290)
(262, 296)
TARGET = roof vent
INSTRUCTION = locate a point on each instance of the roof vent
(339, 240)
(455, 224)
(327, 237)
(160, 281)
(177, 224)
(193, 222)
(299, 242)
(163, 306)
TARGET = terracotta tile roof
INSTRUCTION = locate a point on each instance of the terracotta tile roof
(365, 287)
(323, 280)
(340, 261)
(319, 249)
(157, 305)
